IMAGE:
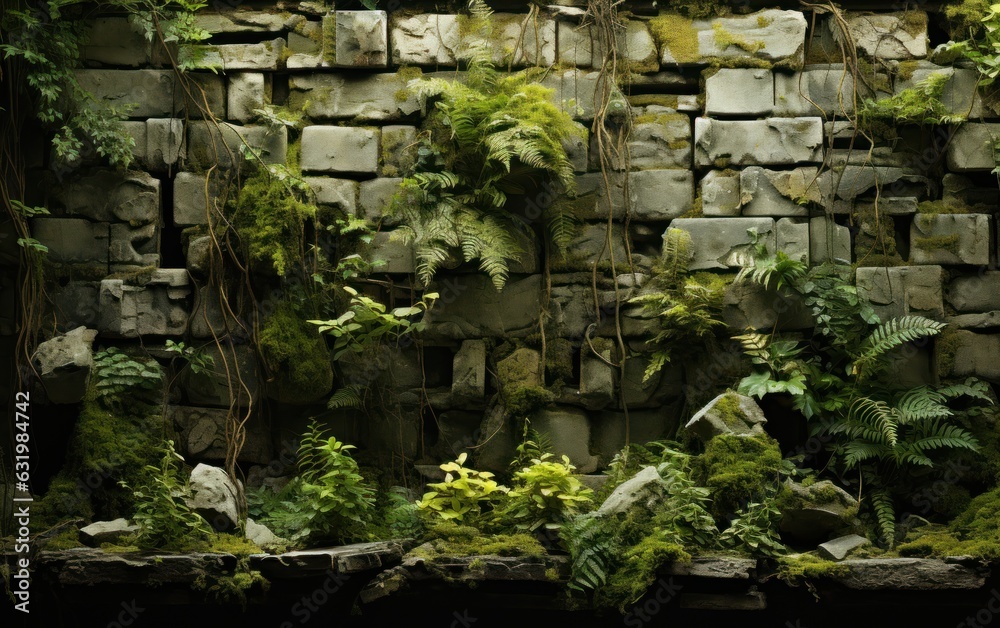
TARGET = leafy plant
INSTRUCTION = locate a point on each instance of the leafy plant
(460, 496)
(545, 493)
(119, 375)
(755, 529)
(165, 521)
(491, 136)
(984, 52)
(920, 104)
(197, 360)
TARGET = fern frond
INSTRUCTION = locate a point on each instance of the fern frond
(858, 451)
(972, 387)
(346, 397)
(885, 514)
(920, 404)
(677, 254)
(890, 335)
(866, 411)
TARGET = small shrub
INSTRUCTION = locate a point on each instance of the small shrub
(460, 497)
(545, 494)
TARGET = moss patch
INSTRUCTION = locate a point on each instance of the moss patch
(947, 243)
(451, 539)
(724, 39)
(799, 568)
(739, 469)
(678, 34)
(965, 17)
(296, 353)
(975, 532)
(645, 100)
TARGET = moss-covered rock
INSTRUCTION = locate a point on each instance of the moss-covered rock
(297, 356)
(739, 470)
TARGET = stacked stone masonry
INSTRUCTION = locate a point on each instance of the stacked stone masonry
(718, 149)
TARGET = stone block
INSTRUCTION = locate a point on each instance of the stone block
(208, 320)
(159, 308)
(469, 372)
(742, 92)
(247, 91)
(950, 239)
(112, 196)
(73, 240)
(390, 248)
(659, 139)
(597, 377)
(518, 40)
(964, 353)
(771, 35)
(971, 147)
(191, 198)
(722, 243)
(113, 41)
(133, 246)
(818, 90)
(750, 306)
(374, 198)
(577, 151)
(399, 150)
(203, 435)
(661, 194)
(164, 143)
(339, 194)
(521, 369)
(362, 97)
(779, 192)
(887, 206)
(198, 256)
(720, 193)
(75, 304)
(729, 413)
(99, 532)
(64, 364)
(219, 146)
(425, 39)
(887, 36)
(793, 238)
(590, 247)
(828, 241)
(362, 39)
(213, 388)
(904, 290)
(154, 93)
(959, 96)
(339, 149)
(575, 91)
(244, 20)
(975, 293)
(579, 46)
(233, 57)
(471, 307)
(776, 141)
(569, 433)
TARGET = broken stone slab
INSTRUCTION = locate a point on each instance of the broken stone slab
(950, 239)
(520, 369)
(247, 91)
(109, 196)
(345, 560)
(908, 574)
(132, 248)
(984, 320)
(971, 147)
(658, 139)
(885, 206)
(569, 432)
(964, 353)
(469, 371)
(362, 39)
(645, 489)
(261, 536)
(816, 511)
(213, 388)
(214, 497)
(975, 293)
(203, 434)
(901, 291)
(729, 413)
(339, 194)
(743, 92)
(829, 241)
(772, 35)
(775, 141)
(244, 20)
(766, 192)
(959, 95)
(716, 567)
(153, 93)
(722, 243)
(519, 40)
(720, 193)
(64, 364)
(159, 308)
(818, 90)
(85, 566)
(425, 39)
(365, 97)
(590, 248)
(106, 532)
(165, 143)
(233, 57)
(896, 36)
(73, 240)
(339, 149)
(840, 547)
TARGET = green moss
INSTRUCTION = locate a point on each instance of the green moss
(559, 360)
(138, 277)
(67, 539)
(728, 409)
(296, 354)
(450, 539)
(222, 543)
(947, 243)
(678, 34)
(965, 17)
(659, 100)
(975, 532)
(524, 401)
(329, 40)
(638, 570)
(905, 69)
(799, 568)
(763, 21)
(739, 469)
(725, 39)
(946, 207)
(875, 242)
(946, 345)
(915, 23)
(701, 8)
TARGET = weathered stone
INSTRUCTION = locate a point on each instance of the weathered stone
(887, 35)
(646, 489)
(425, 39)
(374, 198)
(521, 369)
(261, 535)
(749, 306)
(743, 92)
(854, 180)
(164, 143)
(657, 140)
(569, 432)
(590, 248)
(306, 39)
(159, 308)
(72, 240)
(721, 567)
(975, 293)
(959, 94)
(75, 304)
(198, 256)
(247, 91)
(597, 377)
(214, 497)
(191, 198)
(113, 41)
(137, 131)
(579, 46)
(828, 241)
(106, 532)
(971, 147)
(399, 150)
(64, 365)
(819, 90)
(775, 141)
(87, 567)
(471, 307)
(729, 413)
(964, 353)
(243, 20)
(397, 255)
(230, 57)
(203, 434)
(908, 574)
(221, 146)
(133, 246)
(362, 39)
(110, 196)
(339, 194)
(575, 92)
(724, 242)
(816, 511)
(840, 547)
(771, 35)
(661, 194)
(793, 238)
(778, 192)
(577, 151)
(519, 40)
(985, 320)
(210, 319)
(886, 206)
(339, 149)
(720, 193)
(469, 371)
(950, 239)
(901, 291)
(154, 93)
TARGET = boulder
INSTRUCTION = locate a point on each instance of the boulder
(64, 364)
(812, 513)
(260, 535)
(214, 496)
(100, 532)
(729, 413)
(645, 490)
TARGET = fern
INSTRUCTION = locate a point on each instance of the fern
(347, 397)
(592, 546)
(888, 336)
(885, 514)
